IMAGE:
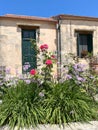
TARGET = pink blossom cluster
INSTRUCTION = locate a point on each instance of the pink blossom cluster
(33, 72)
(44, 47)
(49, 60)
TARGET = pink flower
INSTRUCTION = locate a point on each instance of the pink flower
(44, 47)
(41, 47)
(48, 62)
(33, 72)
(53, 56)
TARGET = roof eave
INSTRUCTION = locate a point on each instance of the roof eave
(73, 17)
(31, 19)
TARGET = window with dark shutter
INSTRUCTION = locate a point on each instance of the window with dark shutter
(28, 50)
(84, 44)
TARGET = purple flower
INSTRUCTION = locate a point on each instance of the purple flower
(26, 66)
(80, 78)
(1, 76)
(79, 67)
(91, 77)
(8, 70)
(68, 76)
(41, 94)
(61, 80)
(28, 81)
(21, 77)
(75, 66)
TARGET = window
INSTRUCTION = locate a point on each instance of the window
(84, 44)
(28, 51)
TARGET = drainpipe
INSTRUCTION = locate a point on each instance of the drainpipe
(70, 37)
(59, 49)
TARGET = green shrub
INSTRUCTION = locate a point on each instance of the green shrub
(27, 105)
(21, 106)
(68, 102)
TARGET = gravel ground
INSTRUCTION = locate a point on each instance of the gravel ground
(73, 126)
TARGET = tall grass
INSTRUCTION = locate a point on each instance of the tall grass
(67, 102)
(21, 106)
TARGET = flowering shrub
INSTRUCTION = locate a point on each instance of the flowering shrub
(34, 97)
(35, 75)
(48, 59)
(25, 93)
(81, 75)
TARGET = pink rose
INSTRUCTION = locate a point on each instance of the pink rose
(48, 62)
(33, 72)
(41, 47)
(44, 47)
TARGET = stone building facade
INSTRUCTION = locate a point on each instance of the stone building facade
(11, 37)
(63, 33)
(76, 35)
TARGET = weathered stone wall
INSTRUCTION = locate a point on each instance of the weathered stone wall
(69, 38)
(11, 40)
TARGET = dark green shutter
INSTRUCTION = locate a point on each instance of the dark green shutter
(78, 44)
(90, 43)
(28, 50)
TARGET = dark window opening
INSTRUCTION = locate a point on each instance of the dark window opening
(84, 44)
